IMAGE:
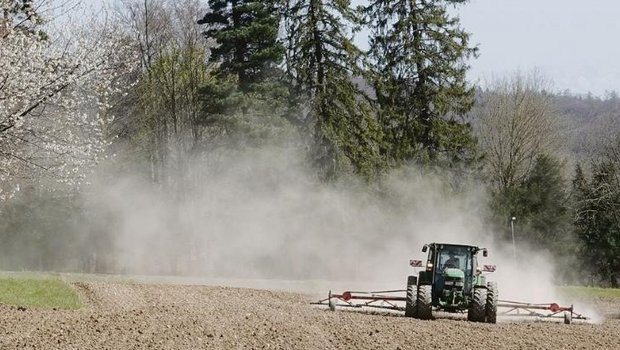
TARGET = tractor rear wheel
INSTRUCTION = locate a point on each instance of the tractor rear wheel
(476, 311)
(412, 290)
(424, 302)
(491, 306)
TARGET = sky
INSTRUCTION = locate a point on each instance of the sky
(573, 43)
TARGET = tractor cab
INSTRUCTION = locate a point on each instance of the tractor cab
(455, 267)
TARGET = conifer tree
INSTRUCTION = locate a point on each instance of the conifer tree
(597, 221)
(321, 62)
(246, 33)
(418, 53)
(543, 202)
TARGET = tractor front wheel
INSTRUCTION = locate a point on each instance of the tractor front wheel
(424, 302)
(491, 307)
(412, 289)
(476, 312)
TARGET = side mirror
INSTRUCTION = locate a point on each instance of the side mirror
(424, 249)
(485, 253)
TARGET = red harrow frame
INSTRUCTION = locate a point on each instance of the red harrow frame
(387, 300)
(551, 310)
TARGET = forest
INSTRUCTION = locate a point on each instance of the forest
(176, 97)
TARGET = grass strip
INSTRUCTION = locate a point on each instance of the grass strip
(590, 292)
(47, 293)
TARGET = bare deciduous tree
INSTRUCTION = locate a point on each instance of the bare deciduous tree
(174, 67)
(515, 121)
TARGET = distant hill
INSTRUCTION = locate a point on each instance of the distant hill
(585, 117)
(587, 108)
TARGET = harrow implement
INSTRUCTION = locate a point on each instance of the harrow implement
(392, 299)
(378, 300)
(548, 310)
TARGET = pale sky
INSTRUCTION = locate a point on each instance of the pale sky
(574, 43)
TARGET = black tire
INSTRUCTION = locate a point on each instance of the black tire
(424, 302)
(476, 311)
(412, 290)
(491, 306)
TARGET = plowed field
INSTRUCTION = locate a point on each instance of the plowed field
(136, 315)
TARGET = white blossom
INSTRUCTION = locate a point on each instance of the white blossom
(56, 91)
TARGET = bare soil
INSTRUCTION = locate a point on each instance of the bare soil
(140, 316)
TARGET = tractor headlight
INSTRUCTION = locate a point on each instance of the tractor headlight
(429, 266)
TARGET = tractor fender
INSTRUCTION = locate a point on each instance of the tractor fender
(425, 277)
(480, 281)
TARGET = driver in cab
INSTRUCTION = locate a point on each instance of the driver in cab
(452, 262)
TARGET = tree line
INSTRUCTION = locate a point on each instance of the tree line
(157, 85)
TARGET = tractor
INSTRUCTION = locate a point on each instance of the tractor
(452, 281)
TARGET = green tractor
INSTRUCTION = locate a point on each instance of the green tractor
(452, 281)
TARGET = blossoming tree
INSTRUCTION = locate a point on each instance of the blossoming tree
(58, 80)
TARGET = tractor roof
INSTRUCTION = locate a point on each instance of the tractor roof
(453, 245)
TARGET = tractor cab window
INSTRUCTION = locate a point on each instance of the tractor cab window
(455, 258)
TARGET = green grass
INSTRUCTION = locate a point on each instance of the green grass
(590, 292)
(38, 293)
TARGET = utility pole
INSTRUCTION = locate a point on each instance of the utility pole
(512, 230)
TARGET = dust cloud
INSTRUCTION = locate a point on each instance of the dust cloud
(261, 217)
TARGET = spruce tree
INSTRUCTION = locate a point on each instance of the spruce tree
(247, 101)
(418, 53)
(322, 61)
(246, 33)
(545, 205)
(597, 221)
